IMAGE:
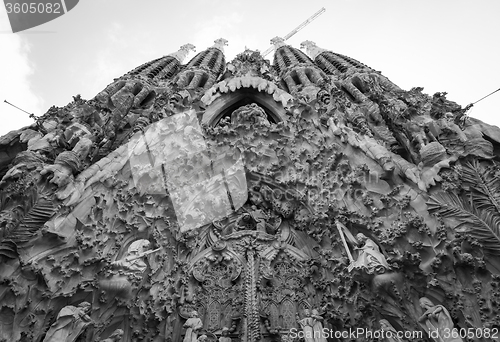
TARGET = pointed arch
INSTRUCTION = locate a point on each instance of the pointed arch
(225, 104)
(274, 315)
(288, 311)
(214, 315)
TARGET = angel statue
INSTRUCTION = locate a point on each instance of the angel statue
(370, 259)
(70, 323)
(193, 325)
(436, 320)
(127, 269)
(134, 260)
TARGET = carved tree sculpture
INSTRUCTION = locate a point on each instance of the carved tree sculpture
(307, 324)
(127, 270)
(225, 335)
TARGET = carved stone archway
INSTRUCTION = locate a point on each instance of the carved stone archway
(229, 102)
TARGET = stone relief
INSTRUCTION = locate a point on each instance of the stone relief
(70, 323)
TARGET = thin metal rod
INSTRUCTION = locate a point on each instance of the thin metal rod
(486, 96)
(31, 114)
(297, 29)
(305, 23)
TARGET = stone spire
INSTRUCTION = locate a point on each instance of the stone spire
(296, 70)
(183, 52)
(331, 62)
(312, 49)
(203, 69)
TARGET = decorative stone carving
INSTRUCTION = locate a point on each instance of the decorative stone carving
(116, 336)
(389, 331)
(61, 173)
(436, 320)
(225, 335)
(220, 43)
(253, 220)
(70, 323)
(312, 49)
(278, 42)
(183, 52)
(25, 163)
(193, 325)
(312, 326)
(370, 259)
(318, 143)
(128, 270)
(251, 114)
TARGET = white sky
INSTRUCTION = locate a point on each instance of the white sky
(441, 45)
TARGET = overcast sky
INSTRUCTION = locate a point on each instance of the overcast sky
(441, 45)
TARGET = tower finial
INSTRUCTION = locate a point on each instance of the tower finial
(278, 42)
(312, 49)
(183, 52)
(220, 43)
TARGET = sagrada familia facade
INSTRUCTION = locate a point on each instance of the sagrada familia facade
(310, 199)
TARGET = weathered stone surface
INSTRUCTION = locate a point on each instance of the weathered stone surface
(249, 201)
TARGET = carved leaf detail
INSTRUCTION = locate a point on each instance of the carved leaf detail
(484, 184)
(32, 216)
(483, 225)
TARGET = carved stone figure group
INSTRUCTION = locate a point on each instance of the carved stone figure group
(312, 326)
(370, 259)
(193, 325)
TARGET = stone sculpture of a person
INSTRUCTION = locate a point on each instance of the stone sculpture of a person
(193, 325)
(318, 333)
(370, 259)
(116, 336)
(134, 259)
(128, 269)
(437, 318)
(61, 173)
(260, 217)
(307, 325)
(391, 334)
(70, 323)
(225, 335)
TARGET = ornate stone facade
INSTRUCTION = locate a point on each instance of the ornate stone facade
(249, 201)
